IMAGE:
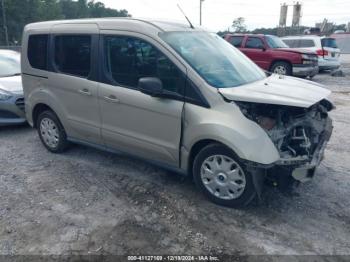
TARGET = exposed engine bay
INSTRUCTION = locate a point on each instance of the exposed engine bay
(298, 133)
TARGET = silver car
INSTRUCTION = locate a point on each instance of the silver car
(177, 96)
(11, 91)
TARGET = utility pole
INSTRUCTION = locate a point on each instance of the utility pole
(200, 11)
(4, 22)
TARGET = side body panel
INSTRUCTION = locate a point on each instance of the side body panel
(138, 123)
(33, 80)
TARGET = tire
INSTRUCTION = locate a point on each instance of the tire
(51, 132)
(282, 68)
(233, 186)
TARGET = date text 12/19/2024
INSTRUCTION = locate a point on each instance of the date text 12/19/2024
(204, 258)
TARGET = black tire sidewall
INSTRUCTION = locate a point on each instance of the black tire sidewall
(285, 64)
(217, 149)
(62, 141)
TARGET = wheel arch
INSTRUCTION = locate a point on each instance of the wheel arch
(280, 60)
(37, 110)
(196, 148)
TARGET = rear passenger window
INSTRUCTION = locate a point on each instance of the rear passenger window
(254, 42)
(73, 54)
(291, 43)
(306, 43)
(236, 41)
(37, 51)
(128, 59)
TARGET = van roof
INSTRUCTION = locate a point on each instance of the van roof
(117, 23)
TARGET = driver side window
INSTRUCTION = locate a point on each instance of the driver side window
(254, 42)
(128, 59)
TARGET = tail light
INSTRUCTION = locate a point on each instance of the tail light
(322, 52)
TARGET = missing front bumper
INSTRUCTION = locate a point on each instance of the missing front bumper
(304, 170)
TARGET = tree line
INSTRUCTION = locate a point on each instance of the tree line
(15, 14)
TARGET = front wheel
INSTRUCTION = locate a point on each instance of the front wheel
(220, 175)
(282, 68)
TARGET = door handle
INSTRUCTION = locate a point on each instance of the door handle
(112, 98)
(85, 91)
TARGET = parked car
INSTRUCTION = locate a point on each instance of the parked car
(271, 54)
(326, 48)
(177, 96)
(11, 91)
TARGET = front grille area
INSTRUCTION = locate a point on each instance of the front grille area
(20, 103)
(7, 115)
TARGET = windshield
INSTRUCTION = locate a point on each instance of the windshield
(9, 65)
(275, 42)
(215, 60)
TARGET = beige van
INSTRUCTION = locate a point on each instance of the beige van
(174, 95)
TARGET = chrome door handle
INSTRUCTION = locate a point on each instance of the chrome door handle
(85, 91)
(112, 98)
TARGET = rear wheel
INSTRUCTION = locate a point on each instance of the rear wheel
(51, 132)
(281, 68)
(220, 175)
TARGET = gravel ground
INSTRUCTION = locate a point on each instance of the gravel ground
(91, 202)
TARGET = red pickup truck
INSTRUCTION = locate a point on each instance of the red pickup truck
(271, 54)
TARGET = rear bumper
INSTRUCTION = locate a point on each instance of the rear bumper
(325, 64)
(12, 111)
(305, 70)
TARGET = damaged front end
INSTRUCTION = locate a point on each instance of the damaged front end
(299, 134)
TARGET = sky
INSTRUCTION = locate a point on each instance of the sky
(217, 15)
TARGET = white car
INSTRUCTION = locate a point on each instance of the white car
(11, 91)
(325, 47)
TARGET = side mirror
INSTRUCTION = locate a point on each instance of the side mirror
(151, 86)
(263, 48)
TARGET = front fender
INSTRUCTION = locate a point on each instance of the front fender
(226, 124)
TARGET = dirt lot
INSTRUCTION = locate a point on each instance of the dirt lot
(91, 202)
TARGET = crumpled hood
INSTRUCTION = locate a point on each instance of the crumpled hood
(279, 90)
(12, 84)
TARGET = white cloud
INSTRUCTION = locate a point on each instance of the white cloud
(218, 14)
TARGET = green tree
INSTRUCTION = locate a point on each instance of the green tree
(22, 12)
(49, 10)
(238, 25)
